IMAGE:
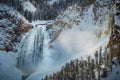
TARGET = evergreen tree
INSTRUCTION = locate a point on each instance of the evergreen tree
(100, 55)
(96, 58)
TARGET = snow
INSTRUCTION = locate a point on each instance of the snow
(41, 22)
(8, 62)
(79, 41)
(115, 46)
(112, 71)
(117, 20)
(8, 23)
(23, 18)
(82, 39)
(113, 75)
(103, 66)
(7, 58)
(8, 70)
(28, 6)
(51, 2)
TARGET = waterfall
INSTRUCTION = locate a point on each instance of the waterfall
(32, 48)
(38, 45)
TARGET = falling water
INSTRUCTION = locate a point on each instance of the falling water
(32, 49)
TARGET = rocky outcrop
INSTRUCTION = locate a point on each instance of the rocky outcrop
(114, 43)
(23, 27)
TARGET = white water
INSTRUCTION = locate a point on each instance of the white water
(32, 49)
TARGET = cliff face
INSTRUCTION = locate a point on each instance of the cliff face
(12, 26)
(44, 9)
(78, 31)
(86, 24)
(114, 43)
(84, 15)
(106, 63)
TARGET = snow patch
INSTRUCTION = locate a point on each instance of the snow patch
(28, 6)
(8, 70)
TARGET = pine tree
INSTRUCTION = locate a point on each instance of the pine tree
(100, 55)
(96, 58)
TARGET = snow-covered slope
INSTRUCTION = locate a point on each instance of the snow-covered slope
(77, 32)
(8, 70)
(11, 23)
(114, 75)
(8, 23)
(51, 2)
(28, 6)
(81, 31)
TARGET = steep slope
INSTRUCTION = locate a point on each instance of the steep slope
(104, 66)
(82, 30)
(114, 43)
(77, 32)
(28, 6)
(12, 26)
(33, 47)
(44, 9)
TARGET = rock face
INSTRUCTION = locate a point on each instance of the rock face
(23, 27)
(75, 16)
(114, 43)
(12, 26)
